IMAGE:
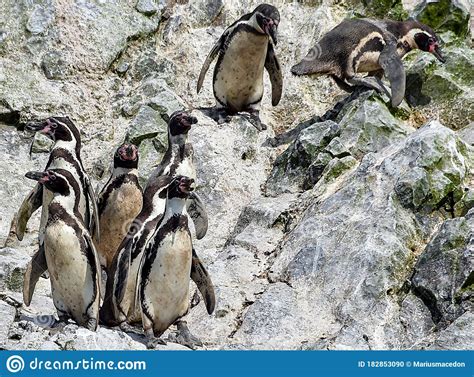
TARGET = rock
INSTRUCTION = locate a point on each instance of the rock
(452, 15)
(147, 7)
(368, 126)
(42, 15)
(467, 134)
(443, 273)
(337, 257)
(7, 313)
(122, 68)
(444, 89)
(456, 336)
(41, 143)
(291, 167)
(54, 65)
(12, 267)
(147, 124)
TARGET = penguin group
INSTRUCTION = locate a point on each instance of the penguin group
(140, 241)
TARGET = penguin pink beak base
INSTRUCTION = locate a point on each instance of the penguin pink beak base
(186, 185)
(39, 176)
(436, 51)
(271, 29)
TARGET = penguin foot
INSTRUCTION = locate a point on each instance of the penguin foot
(196, 299)
(254, 119)
(153, 342)
(369, 82)
(91, 324)
(126, 327)
(185, 338)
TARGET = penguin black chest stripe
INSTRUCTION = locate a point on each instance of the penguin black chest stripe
(375, 44)
(61, 153)
(115, 184)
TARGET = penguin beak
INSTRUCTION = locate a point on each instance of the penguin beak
(272, 31)
(42, 127)
(186, 185)
(39, 176)
(437, 53)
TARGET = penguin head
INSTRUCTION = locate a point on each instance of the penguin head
(54, 180)
(56, 128)
(179, 125)
(425, 38)
(180, 187)
(268, 18)
(126, 156)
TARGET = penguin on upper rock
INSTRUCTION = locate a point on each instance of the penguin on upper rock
(372, 46)
(243, 51)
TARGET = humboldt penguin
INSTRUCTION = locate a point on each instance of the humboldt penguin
(65, 154)
(120, 201)
(243, 51)
(119, 304)
(71, 258)
(373, 46)
(165, 268)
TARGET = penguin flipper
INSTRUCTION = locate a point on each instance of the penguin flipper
(197, 212)
(274, 70)
(393, 68)
(94, 221)
(212, 55)
(30, 204)
(203, 281)
(36, 267)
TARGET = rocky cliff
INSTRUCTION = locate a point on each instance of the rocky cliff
(357, 233)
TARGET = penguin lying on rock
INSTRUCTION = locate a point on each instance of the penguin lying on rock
(373, 46)
(70, 255)
(243, 51)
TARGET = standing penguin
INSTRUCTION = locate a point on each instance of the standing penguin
(64, 155)
(165, 268)
(120, 201)
(71, 258)
(119, 304)
(373, 46)
(244, 50)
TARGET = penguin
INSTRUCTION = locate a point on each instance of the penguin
(243, 51)
(65, 154)
(119, 306)
(165, 268)
(373, 46)
(119, 202)
(71, 258)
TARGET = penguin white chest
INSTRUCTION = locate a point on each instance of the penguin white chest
(368, 62)
(238, 80)
(168, 288)
(72, 280)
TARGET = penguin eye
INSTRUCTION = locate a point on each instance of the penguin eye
(52, 177)
(431, 41)
(54, 125)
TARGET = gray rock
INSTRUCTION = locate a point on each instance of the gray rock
(7, 313)
(147, 124)
(443, 273)
(41, 143)
(291, 168)
(54, 66)
(12, 266)
(41, 16)
(147, 7)
(452, 15)
(457, 336)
